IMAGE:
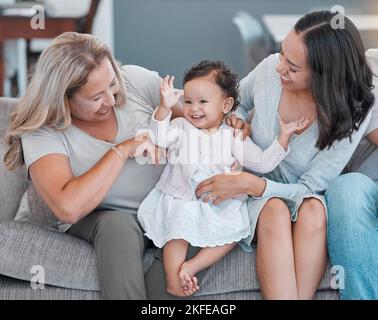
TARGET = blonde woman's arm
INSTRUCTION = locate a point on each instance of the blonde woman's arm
(72, 198)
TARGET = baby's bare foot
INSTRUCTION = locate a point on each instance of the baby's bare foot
(174, 286)
(193, 289)
(185, 275)
(176, 290)
(188, 281)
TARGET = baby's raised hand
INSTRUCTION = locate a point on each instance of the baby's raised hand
(169, 96)
(288, 128)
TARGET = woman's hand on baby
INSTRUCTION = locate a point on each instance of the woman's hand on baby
(221, 187)
(239, 125)
(169, 96)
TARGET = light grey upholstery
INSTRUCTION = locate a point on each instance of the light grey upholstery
(13, 184)
(67, 261)
(11, 289)
(70, 263)
(39, 212)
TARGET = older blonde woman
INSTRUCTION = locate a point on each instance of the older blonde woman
(75, 130)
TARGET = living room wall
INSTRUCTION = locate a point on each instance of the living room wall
(170, 35)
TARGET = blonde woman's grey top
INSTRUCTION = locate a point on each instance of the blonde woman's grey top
(306, 170)
(84, 151)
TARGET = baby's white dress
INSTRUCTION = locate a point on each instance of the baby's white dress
(165, 217)
(172, 211)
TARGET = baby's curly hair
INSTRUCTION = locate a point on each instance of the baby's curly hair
(223, 77)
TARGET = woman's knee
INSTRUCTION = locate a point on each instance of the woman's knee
(351, 188)
(312, 217)
(274, 218)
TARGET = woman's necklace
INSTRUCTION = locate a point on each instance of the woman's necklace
(298, 109)
(301, 114)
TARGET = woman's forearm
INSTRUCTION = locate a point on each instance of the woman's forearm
(252, 185)
(84, 193)
(373, 137)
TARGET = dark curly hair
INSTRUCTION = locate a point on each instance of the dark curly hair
(341, 79)
(223, 77)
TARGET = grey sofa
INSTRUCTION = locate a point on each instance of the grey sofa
(70, 263)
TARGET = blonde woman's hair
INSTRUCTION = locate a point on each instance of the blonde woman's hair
(61, 70)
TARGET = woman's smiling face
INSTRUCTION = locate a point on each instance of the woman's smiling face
(94, 101)
(293, 68)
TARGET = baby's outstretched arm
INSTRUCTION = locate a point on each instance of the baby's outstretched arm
(166, 134)
(288, 128)
(253, 158)
(169, 96)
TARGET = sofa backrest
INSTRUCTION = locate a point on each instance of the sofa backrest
(15, 183)
(12, 183)
(372, 59)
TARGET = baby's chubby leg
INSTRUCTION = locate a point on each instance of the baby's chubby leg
(174, 254)
(203, 259)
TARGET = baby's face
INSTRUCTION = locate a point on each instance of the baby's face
(204, 103)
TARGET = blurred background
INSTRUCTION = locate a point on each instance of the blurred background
(167, 36)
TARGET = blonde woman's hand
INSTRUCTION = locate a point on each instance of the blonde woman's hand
(142, 146)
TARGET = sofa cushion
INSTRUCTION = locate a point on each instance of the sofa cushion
(70, 262)
(6, 107)
(67, 261)
(13, 183)
(12, 289)
(39, 212)
(238, 272)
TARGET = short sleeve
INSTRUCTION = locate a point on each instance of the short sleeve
(255, 81)
(142, 85)
(40, 143)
